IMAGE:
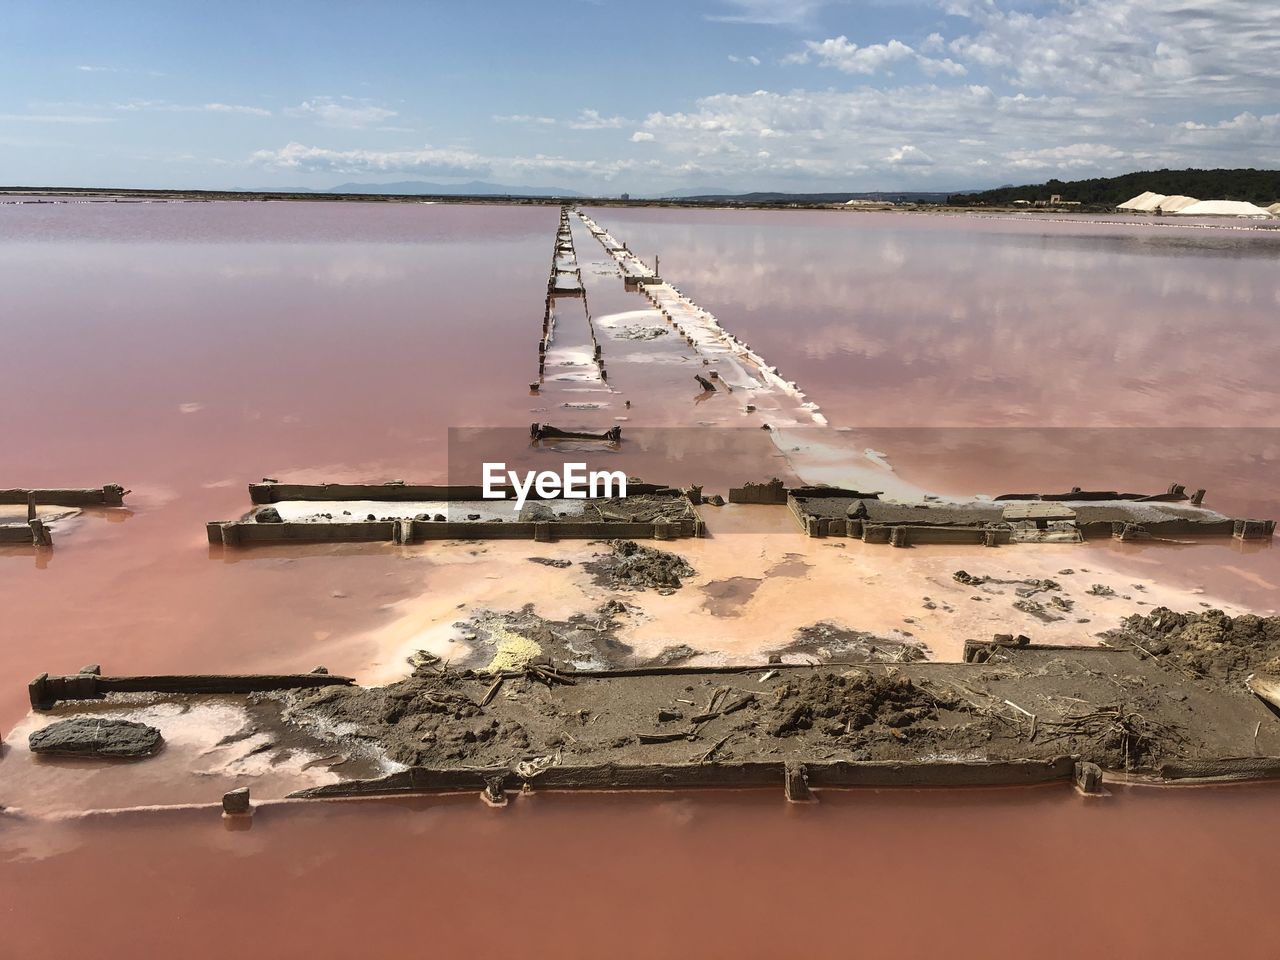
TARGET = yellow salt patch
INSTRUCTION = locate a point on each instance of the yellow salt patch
(514, 651)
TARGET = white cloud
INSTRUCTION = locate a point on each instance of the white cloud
(428, 160)
(776, 13)
(914, 134)
(1013, 91)
(236, 108)
(92, 68)
(592, 120)
(908, 155)
(522, 118)
(846, 56)
(1069, 157)
(443, 162)
(346, 112)
(164, 106)
(1192, 49)
(72, 118)
(585, 120)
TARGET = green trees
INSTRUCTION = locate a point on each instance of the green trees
(1257, 186)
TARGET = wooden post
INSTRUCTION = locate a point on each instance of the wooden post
(796, 783)
(1088, 778)
(40, 535)
(493, 794)
(38, 691)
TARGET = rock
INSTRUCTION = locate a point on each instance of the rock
(235, 803)
(268, 515)
(548, 562)
(96, 737)
(672, 655)
(715, 500)
(535, 512)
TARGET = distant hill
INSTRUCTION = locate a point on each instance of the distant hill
(694, 192)
(1257, 186)
(900, 196)
(476, 188)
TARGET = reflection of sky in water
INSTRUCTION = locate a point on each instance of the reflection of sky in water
(886, 319)
(185, 350)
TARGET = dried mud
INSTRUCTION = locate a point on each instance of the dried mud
(1121, 709)
(1208, 644)
(630, 566)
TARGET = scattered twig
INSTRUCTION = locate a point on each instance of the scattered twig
(491, 693)
(714, 747)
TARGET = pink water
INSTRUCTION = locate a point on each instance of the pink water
(186, 349)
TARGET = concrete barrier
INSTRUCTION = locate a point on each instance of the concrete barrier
(241, 533)
(110, 495)
(45, 691)
(795, 777)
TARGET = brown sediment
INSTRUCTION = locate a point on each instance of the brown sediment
(827, 642)
(629, 566)
(1207, 644)
(1123, 710)
(1027, 713)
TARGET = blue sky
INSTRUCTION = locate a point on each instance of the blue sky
(598, 95)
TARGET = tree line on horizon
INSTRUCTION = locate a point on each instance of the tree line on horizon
(1256, 186)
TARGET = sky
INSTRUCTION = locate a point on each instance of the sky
(605, 97)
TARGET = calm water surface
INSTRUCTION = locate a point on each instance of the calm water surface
(185, 349)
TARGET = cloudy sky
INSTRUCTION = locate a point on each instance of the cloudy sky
(602, 95)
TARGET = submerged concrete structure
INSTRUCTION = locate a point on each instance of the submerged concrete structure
(403, 513)
(34, 530)
(1014, 518)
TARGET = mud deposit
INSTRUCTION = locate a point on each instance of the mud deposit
(1121, 709)
(828, 641)
(505, 640)
(1209, 644)
(631, 566)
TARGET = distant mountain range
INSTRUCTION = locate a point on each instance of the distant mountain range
(892, 196)
(479, 188)
(475, 188)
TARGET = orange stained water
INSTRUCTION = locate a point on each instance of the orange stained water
(186, 349)
(1041, 872)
